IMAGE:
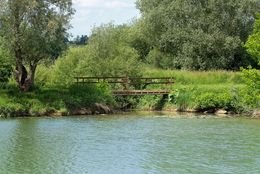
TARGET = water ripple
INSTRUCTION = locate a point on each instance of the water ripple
(129, 144)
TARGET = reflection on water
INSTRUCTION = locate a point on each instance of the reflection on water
(131, 144)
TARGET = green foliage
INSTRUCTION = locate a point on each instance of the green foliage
(80, 40)
(211, 100)
(12, 109)
(44, 101)
(34, 32)
(201, 91)
(108, 54)
(182, 98)
(136, 39)
(87, 96)
(5, 63)
(252, 91)
(253, 43)
(198, 35)
(184, 77)
(149, 102)
(159, 59)
(64, 70)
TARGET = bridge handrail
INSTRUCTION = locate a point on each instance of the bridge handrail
(122, 79)
(142, 78)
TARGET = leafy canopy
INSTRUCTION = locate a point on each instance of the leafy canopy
(35, 31)
(200, 34)
(109, 54)
(253, 43)
(5, 63)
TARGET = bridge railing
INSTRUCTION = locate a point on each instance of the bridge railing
(127, 82)
(130, 83)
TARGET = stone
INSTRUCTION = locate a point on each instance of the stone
(57, 114)
(211, 111)
(192, 110)
(256, 114)
(221, 112)
(102, 109)
(82, 111)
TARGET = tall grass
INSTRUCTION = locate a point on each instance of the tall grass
(202, 91)
(184, 77)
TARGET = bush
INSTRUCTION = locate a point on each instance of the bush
(5, 64)
(252, 90)
(50, 100)
(108, 54)
(12, 110)
(209, 100)
(65, 68)
(182, 98)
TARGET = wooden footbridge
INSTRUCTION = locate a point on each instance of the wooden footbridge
(132, 86)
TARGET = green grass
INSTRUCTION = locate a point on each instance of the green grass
(196, 77)
(201, 91)
(50, 100)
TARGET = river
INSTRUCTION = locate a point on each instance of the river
(130, 144)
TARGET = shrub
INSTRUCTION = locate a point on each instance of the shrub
(5, 63)
(210, 100)
(12, 109)
(108, 54)
(65, 68)
(252, 90)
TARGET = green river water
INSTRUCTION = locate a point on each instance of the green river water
(129, 144)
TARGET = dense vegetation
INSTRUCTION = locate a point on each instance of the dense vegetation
(253, 43)
(208, 91)
(215, 35)
(35, 31)
(198, 35)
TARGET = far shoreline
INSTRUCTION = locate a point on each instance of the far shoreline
(252, 115)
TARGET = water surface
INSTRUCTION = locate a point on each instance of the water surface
(129, 144)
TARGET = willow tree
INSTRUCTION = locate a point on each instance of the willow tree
(198, 34)
(253, 43)
(35, 31)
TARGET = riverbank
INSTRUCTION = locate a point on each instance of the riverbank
(65, 103)
(218, 92)
(55, 101)
(207, 92)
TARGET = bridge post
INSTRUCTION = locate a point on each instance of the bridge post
(125, 83)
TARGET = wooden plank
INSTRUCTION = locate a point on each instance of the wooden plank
(140, 92)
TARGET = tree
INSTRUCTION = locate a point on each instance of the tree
(80, 40)
(199, 34)
(36, 31)
(109, 53)
(253, 43)
(5, 63)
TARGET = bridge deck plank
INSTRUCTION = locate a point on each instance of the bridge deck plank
(140, 92)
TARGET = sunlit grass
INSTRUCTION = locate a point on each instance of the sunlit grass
(197, 77)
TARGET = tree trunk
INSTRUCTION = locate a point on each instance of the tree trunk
(29, 82)
(24, 79)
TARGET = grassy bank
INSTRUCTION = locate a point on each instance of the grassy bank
(192, 91)
(203, 92)
(49, 101)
